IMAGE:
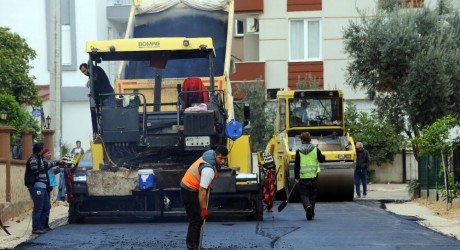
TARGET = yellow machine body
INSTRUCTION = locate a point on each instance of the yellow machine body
(326, 124)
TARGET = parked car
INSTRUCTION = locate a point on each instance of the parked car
(79, 174)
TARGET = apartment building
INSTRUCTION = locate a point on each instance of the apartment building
(286, 41)
(280, 41)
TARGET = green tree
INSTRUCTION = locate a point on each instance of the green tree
(408, 61)
(17, 117)
(439, 140)
(378, 137)
(262, 114)
(15, 56)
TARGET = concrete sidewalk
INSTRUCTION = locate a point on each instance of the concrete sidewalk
(387, 192)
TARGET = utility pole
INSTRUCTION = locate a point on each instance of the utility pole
(55, 75)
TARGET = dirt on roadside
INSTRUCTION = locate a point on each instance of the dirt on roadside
(440, 208)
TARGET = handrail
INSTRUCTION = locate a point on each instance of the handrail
(199, 91)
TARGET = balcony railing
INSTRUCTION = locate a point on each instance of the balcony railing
(119, 2)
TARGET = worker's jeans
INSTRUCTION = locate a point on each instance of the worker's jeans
(308, 189)
(41, 209)
(192, 207)
(360, 175)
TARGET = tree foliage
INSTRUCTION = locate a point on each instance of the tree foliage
(17, 117)
(378, 137)
(262, 115)
(15, 56)
(408, 61)
(435, 137)
(440, 139)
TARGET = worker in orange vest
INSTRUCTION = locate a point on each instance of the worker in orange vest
(195, 186)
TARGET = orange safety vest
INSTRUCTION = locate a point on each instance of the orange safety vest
(192, 177)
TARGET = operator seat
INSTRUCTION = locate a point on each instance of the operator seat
(194, 84)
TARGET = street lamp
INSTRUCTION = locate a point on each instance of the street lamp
(48, 121)
(3, 116)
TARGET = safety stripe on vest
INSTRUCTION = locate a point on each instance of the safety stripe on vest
(308, 169)
(195, 170)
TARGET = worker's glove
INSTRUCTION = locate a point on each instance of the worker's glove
(204, 213)
(296, 180)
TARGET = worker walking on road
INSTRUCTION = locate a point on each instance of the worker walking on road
(306, 169)
(195, 186)
(363, 161)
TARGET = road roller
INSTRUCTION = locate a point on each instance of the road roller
(321, 113)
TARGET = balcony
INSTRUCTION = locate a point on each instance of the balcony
(118, 10)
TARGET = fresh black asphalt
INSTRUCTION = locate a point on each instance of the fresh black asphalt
(338, 225)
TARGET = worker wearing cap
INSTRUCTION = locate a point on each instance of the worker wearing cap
(37, 181)
(306, 169)
(195, 186)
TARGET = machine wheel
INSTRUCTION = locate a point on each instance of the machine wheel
(74, 215)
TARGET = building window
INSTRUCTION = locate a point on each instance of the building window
(66, 42)
(239, 28)
(305, 40)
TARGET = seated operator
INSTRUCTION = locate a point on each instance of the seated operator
(301, 113)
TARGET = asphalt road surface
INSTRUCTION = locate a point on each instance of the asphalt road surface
(339, 225)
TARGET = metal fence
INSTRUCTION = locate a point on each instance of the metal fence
(429, 172)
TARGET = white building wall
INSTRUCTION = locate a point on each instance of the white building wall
(277, 72)
(392, 172)
(274, 42)
(28, 19)
(336, 16)
(76, 124)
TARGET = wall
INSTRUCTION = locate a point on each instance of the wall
(76, 123)
(393, 171)
(20, 197)
(14, 196)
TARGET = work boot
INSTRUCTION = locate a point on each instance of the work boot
(309, 213)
